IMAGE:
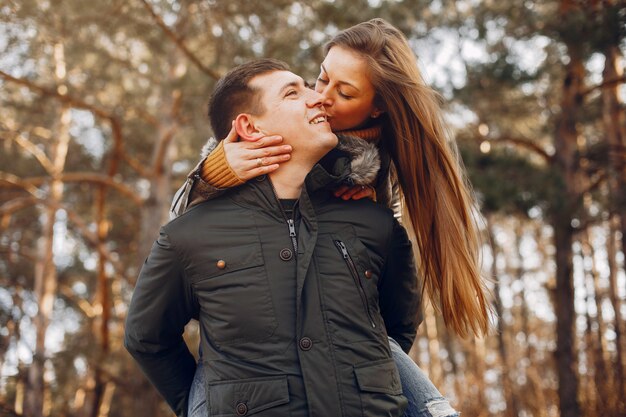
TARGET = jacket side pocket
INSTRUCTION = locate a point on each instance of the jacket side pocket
(381, 390)
(260, 397)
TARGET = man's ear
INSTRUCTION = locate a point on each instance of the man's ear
(244, 124)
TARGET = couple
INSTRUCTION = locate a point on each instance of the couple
(278, 334)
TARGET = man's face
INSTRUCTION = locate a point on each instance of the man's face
(294, 112)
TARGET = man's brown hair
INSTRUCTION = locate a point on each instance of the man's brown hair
(233, 95)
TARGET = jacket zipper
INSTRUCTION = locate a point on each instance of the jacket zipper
(355, 276)
(292, 229)
(290, 222)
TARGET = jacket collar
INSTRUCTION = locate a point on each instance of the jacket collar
(323, 177)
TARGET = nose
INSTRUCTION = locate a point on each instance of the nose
(314, 99)
(327, 100)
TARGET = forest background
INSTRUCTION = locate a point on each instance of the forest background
(103, 113)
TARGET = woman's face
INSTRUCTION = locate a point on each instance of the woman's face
(348, 92)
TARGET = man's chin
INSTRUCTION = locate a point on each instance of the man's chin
(327, 137)
(330, 139)
(326, 143)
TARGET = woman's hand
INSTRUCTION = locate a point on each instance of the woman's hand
(251, 159)
(356, 192)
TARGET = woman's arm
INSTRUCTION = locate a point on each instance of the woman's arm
(227, 164)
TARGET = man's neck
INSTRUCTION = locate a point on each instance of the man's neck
(288, 180)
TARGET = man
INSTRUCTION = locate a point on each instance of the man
(295, 290)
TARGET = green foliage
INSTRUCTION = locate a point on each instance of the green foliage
(508, 183)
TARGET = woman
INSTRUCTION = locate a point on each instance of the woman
(374, 90)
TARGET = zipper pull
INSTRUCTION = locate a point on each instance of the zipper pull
(292, 234)
(292, 228)
(342, 248)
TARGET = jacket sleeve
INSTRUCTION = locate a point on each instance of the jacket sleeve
(399, 295)
(197, 188)
(162, 304)
(194, 190)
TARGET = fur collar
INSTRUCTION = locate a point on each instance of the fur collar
(364, 159)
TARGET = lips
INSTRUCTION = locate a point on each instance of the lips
(319, 118)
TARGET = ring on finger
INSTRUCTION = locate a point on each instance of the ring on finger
(259, 162)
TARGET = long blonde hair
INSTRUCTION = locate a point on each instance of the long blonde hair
(438, 200)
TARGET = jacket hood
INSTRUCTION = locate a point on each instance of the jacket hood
(363, 158)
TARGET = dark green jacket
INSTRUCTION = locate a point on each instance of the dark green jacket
(284, 331)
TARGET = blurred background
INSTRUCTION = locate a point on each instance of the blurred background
(102, 113)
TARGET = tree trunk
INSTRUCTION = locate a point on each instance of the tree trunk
(618, 365)
(512, 407)
(456, 373)
(45, 270)
(434, 364)
(597, 394)
(614, 120)
(565, 313)
(589, 394)
(46, 278)
(534, 396)
(565, 158)
(103, 295)
(156, 207)
(22, 373)
(478, 359)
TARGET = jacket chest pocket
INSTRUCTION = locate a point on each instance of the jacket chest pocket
(357, 277)
(348, 280)
(234, 295)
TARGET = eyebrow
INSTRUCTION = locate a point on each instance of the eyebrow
(295, 83)
(341, 82)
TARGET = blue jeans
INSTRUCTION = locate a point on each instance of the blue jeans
(424, 399)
